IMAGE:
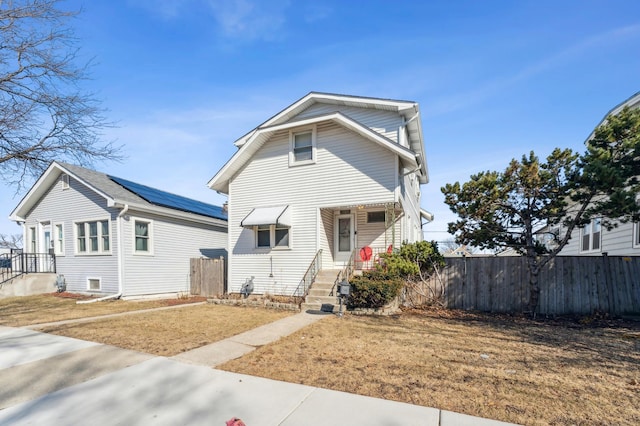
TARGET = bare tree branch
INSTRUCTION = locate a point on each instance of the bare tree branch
(44, 113)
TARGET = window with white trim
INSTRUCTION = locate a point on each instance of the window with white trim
(272, 236)
(263, 236)
(302, 149)
(94, 284)
(93, 237)
(58, 239)
(142, 236)
(591, 236)
(636, 234)
(33, 242)
(65, 181)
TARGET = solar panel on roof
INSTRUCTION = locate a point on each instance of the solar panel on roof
(166, 199)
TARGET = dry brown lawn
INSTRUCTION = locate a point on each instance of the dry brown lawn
(502, 368)
(29, 310)
(170, 332)
(499, 367)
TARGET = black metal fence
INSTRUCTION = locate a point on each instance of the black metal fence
(18, 263)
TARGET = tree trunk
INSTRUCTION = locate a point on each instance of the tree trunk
(534, 293)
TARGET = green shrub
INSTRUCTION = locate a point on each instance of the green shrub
(412, 260)
(373, 289)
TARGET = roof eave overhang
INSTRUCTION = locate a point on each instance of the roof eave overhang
(43, 183)
(632, 102)
(171, 213)
(220, 182)
(402, 107)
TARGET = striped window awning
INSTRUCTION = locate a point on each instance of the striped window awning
(278, 215)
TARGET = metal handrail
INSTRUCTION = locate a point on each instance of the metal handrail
(346, 272)
(15, 264)
(310, 276)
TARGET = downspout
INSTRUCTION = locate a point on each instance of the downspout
(120, 258)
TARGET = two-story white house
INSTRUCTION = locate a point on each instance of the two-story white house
(331, 177)
(593, 239)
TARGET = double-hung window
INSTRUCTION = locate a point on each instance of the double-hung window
(93, 237)
(143, 236)
(636, 235)
(302, 148)
(272, 236)
(33, 244)
(58, 239)
(591, 236)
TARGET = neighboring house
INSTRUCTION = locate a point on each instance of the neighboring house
(113, 236)
(330, 172)
(593, 239)
(460, 251)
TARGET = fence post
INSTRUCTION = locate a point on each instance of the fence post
(608, 282)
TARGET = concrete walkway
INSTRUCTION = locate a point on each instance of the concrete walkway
(48, 379)
(241, 344)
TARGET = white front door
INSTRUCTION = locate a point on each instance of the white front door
(45, 237)
(344, 237)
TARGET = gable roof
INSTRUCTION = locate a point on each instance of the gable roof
(220, 182)
(119, 192)
(632, 102)
(283, 120)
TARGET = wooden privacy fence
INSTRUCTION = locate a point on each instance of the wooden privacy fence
(568, 285)
(207, 277)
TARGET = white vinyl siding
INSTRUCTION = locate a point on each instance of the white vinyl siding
(65, 207)
(174, 243)
(373, 234)
(349, 170)
(619, 241)
(386, 123)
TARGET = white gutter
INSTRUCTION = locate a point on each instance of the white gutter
(120, 258)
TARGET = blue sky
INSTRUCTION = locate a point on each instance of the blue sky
(494, 79)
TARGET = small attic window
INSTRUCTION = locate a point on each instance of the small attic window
(65, 181)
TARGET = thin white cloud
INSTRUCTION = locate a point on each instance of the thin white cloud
(250, 20)
(317, 11)
(165, 9)
(603, 40)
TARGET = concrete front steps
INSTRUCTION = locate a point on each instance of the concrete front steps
(318, 297)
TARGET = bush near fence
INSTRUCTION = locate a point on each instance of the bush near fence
(569, 285)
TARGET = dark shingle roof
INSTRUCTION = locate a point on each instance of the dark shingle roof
(127, 191)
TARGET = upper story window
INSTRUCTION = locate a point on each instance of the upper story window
(93, 237)
(302, 147)
(143, 236)
(65, 181)
(636, 235)
(591, 236)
